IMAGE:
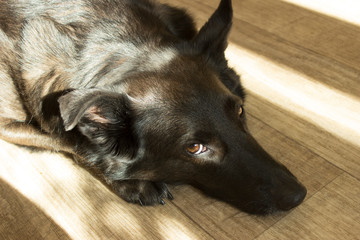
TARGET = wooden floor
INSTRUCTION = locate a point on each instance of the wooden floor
(301, 69)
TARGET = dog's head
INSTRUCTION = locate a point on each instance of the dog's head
(185, 122)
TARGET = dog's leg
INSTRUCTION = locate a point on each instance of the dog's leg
(142, 192)
(23, 134)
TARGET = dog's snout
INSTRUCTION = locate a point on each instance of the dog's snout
(290, 196)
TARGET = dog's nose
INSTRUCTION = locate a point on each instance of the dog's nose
(291, 198)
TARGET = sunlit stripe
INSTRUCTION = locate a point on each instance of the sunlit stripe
(76, 202)
(328, 108)
(345, 10)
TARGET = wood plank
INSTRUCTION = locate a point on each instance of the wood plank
(303, 60)
(80, 204)
(332, 213)
(337, 151)
(21, 219)
(323, 34)
(225, 222)
(346, 10)
(321, 47)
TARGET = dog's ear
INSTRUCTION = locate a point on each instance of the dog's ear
(212, 37)
(105, 118)
(177, 21)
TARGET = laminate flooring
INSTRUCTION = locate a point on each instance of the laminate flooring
(301, 71)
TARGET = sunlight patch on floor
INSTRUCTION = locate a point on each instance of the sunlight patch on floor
(173, 229)
(345, 10)
(51, 182)
(328, 108)
(79, 203)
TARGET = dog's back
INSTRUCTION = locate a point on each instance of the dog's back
(11, 107)
(30, 49)
(57, 40)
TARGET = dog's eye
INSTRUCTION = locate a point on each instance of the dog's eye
(240, 112)
(196, 148)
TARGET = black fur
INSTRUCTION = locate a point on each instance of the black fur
(134, 90)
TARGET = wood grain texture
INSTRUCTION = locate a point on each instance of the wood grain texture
(21, 219)
(80, 204)
(47, 196)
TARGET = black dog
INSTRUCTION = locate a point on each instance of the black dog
(133, 89)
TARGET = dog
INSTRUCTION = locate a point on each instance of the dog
(134, 90)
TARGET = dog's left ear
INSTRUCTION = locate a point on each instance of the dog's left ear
(105, 118)
(212, 37)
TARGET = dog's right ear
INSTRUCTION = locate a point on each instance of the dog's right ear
(212, 37)
(105, 118)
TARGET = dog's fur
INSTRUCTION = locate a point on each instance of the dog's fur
(133, 89)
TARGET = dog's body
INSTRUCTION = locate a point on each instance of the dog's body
(133, 89)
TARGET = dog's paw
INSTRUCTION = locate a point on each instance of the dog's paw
(142, 192)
